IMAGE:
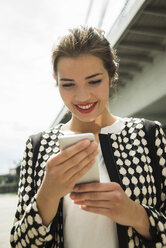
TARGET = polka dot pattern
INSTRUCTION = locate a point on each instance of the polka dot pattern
(31, 232)
(131, 154)
(131, 165)
(135, 170)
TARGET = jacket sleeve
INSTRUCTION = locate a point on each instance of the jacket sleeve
(158, 218)
(28, 229)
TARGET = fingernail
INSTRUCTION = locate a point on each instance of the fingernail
(72, 196)
(96, 152)
(86, 142)
(76, 188)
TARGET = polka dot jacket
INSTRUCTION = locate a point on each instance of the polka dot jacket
(128, 163)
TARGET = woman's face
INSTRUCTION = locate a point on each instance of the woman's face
(84, 86)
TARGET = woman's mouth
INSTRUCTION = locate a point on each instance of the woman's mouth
(86, 108)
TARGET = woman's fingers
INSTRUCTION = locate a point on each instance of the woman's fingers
(95, 210)
(81, 172)
(97, 204)
(69, 152)
(73, 155)
(114, 204)
(64, 169)
(79, 160)
(94, 196)
(81, 167)
(88, 187)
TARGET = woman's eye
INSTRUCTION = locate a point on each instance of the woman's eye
(67, 85)
(95, 81)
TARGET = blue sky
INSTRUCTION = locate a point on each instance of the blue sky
(29, 100)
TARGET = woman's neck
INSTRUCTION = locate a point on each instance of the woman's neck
(78, 126)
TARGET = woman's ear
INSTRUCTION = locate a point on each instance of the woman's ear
(54, 77)
(110, 82)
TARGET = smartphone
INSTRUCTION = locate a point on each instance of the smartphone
(67, 140)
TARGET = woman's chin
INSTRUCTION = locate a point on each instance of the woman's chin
(86, 119)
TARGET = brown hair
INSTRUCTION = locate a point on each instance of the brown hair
(86, 40)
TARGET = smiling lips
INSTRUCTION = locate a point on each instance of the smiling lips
(86, 108)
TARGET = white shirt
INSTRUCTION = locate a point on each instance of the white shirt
(83, 229)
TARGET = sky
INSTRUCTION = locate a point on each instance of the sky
(29, 99)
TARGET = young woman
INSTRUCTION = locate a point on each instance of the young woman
(122, 209)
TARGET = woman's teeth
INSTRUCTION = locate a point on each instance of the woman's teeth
(86, 106)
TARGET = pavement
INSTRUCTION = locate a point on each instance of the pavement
(8, 204)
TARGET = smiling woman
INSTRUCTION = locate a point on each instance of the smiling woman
(87, 96)
(95, 70)
(126, 208)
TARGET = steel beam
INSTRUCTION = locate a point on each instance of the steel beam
(155, 11)
(129, 67)
(142, 46)
(149, 31)
(125, 75)
(136, 58)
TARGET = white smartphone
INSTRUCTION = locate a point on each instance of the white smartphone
(67, 140)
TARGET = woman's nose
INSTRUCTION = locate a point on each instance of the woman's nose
(82, 95)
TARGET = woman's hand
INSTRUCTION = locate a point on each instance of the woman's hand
(66, 168)
(63, 170)
(106, 199)
(110, 200)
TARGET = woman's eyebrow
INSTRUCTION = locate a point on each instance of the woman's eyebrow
(88, 77)
(66, 79)
(94, 75)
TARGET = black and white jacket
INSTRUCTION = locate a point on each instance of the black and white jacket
(128, 162)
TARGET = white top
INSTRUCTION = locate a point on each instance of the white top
(83, 229)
